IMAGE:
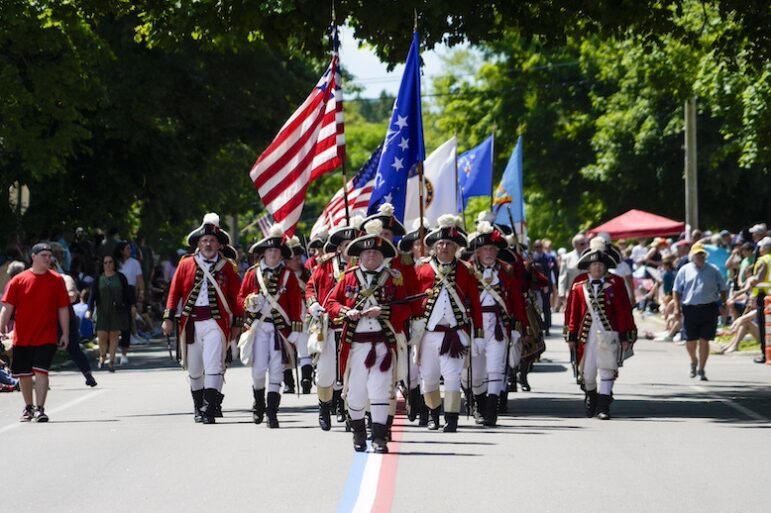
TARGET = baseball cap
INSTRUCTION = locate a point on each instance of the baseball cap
(40, 246)
(758, 228)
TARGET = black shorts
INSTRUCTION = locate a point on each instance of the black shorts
(32, 359)
(700, 321)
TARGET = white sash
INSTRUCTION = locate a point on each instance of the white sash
(450, 289)
(213, 282)
(273, 300)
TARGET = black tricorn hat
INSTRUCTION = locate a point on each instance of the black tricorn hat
(386, 216)
(447, 230)
(275, 239)
(405, 243)
(373, 240)
(295, 245)
(596, 252)
(487, 235)
(210, 226)
(343, 232)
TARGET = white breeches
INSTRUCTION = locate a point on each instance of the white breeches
(204, 356)
(433, 366)
(267, 360)
(488, 366)
(368, 386)
(326, 364)
(303, 356)
(607, 376)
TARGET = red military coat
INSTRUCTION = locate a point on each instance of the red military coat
(465, 286)
(289, 297)
(182, 285)
(615, 303)
(511, 293)
(323, 279)
(346, 296)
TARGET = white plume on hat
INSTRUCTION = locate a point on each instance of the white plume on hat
(386, 209)
(293, 241)
(374, 227)
(486, 217)
(416, 224)
(484, 227)
(356, 222)
(605, 236)
(597, 244)
(323, 233)
(447, 221)
(510, 239)
(211, 218)
(275, 231)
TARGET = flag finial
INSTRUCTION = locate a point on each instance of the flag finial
(415, 20)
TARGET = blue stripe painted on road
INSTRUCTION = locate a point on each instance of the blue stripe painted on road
(353, 484)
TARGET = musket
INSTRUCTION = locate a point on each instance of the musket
(176, 340)
(404, 300)
(168, 346)
(573, 363)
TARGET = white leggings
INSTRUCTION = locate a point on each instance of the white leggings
(326, 365)
(368, 386)
(433, 365)
(267, 360)
(204, 356)
(607, 376)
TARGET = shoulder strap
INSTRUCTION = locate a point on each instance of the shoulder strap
(273, 300)
(214, 283)
(450, 288)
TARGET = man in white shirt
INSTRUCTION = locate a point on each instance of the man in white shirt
(568, 269)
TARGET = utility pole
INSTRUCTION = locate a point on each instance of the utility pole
(691, 175)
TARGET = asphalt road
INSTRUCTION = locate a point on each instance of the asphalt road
(130, 445)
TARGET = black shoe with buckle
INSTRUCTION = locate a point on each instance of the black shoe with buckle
(450, 423)
(433, 419)
(325, 418)
(288, 381)
(379, 438)
(359, 434)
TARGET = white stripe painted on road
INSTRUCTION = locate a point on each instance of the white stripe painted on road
(369, 480)
(63, 407)
(733, 404)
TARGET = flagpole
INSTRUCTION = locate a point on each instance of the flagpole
(457, 188)
(421, 179)
(492, 166)
(342, 157)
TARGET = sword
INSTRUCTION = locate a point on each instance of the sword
(297, 371)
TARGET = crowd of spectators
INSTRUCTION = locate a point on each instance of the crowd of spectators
(651, 265)
(80, 257)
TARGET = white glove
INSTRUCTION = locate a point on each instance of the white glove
(316, 309)
(293, 337)
(255, 302)
(353, 314)
(417, 329)
(477, 347)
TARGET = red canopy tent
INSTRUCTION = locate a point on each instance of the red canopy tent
(638, 223)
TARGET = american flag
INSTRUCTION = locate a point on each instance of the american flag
(311, 143)
(359, 190)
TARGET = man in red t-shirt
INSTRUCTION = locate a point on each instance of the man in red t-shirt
(39, 300)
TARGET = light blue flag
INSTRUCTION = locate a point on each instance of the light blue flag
(403, 147)
(475, 171)
(511, 186)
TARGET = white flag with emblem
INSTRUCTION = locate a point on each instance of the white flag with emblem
(441, 186)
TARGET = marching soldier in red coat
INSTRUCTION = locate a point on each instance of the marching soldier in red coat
(600, 327)
(316, 249)
(391, 227)
(204, 291)
(303, 275)
(273, 302)
(366, 302)
(324, 332)
(445, 321)
(503, 316)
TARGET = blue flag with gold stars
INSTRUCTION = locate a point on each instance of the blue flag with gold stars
(475, 172)
(403, 147)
